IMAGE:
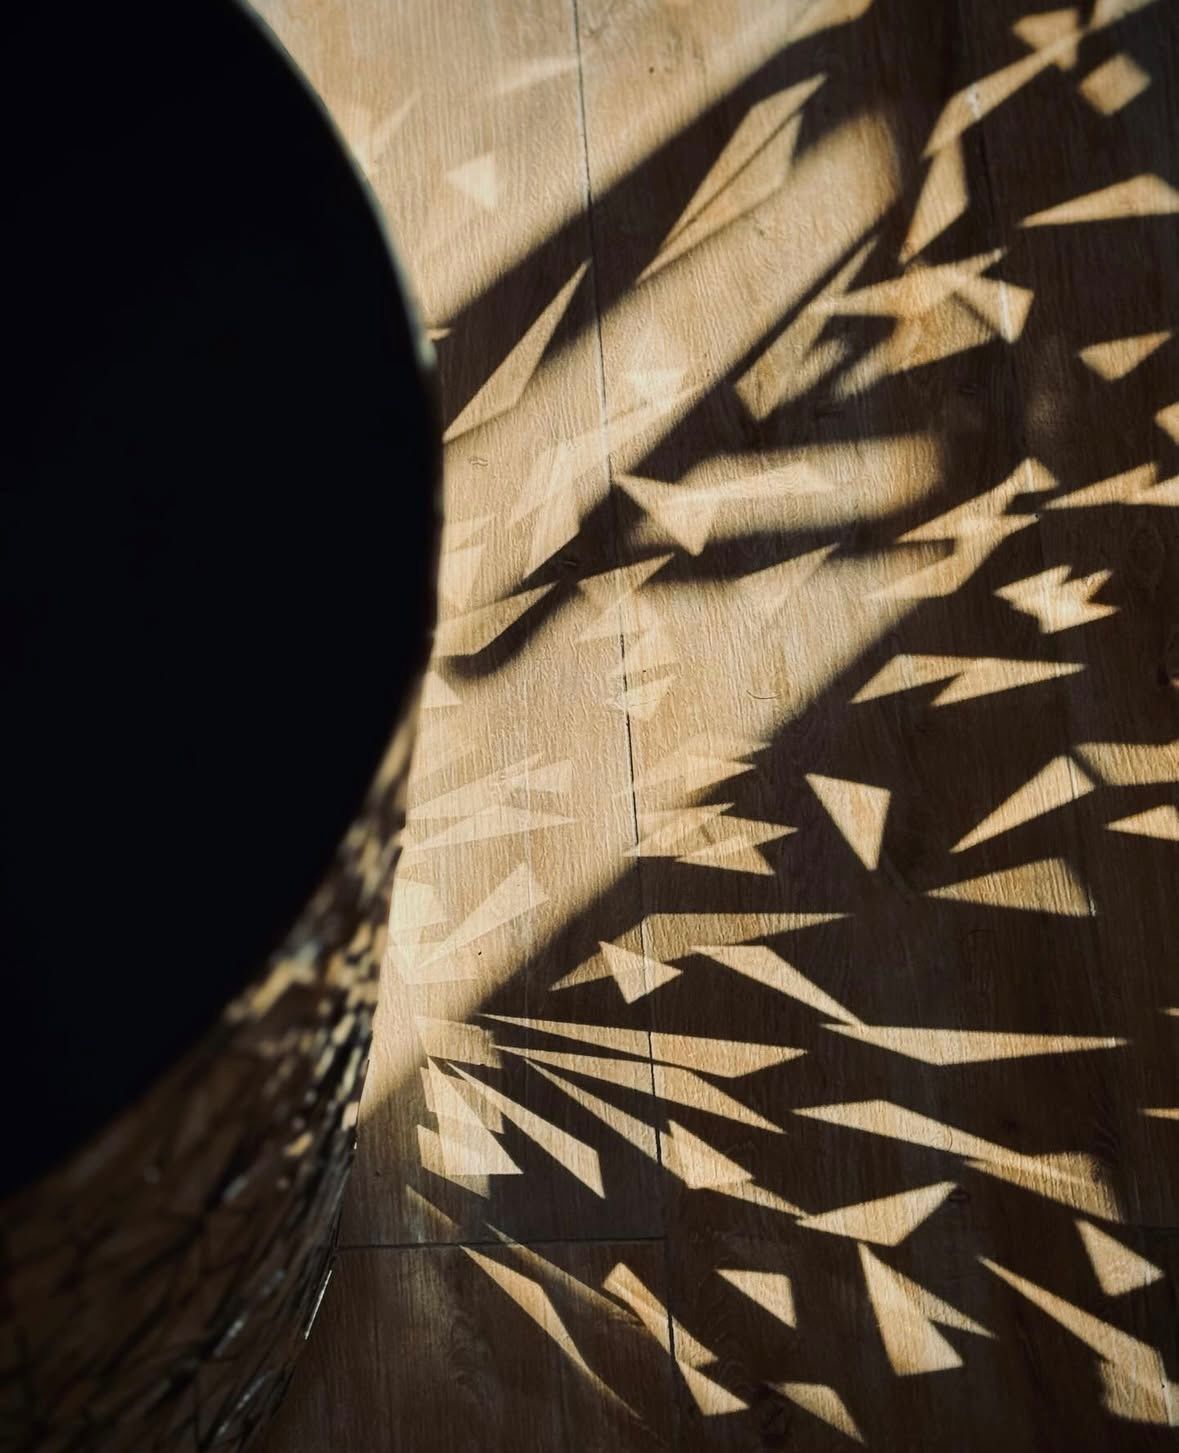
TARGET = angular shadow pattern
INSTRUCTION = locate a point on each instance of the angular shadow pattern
(870, 1024)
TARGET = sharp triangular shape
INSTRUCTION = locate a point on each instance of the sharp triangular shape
(504, 388)
(732, 928)
(736, 846)
(822, 1402)
(1001, 304)
(915, 343)
(643, 701)
(436, 694)
(752, 167)
(467, 635)
(668, 834)
(725, 1058)
(1075, 1179)
(535, 1302)
(969, 676)
(414, 906)
(944, 198)
(1157, 822)
(696, 1163)
(698, 764)
(634, 1130)
(886, 1221)
(916, 291)
(671, 1335)
(756, 961)
(478, 180)
(1072, 1179)
(517, 894)
(1130, 764)
(796, 360)
(444, 1098)
(1049, 886)
(464, 1150)
(1056, 785)
(609, 589)
(710, 1397)
(771, 1290)
(625, 1041)
(683, 513)
(1050, 28)
(987, 676)
(635, 974)
(1120, 356)
(707, 837)
(906, 1313)
(857, 810)
(495, 821)
(970, 1046)
(573, 1155)
(1118, 1269)
(1146, 1392)
(670, 1083)
(1142, 196)
(769, 590)
(977, 528)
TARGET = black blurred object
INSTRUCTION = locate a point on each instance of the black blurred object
(218, 545)
(216, 537)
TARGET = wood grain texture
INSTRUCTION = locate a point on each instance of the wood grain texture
(824, 534)
(488, 1359)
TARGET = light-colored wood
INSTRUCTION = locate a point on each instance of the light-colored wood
(791, 875)
(486, 1357)
(520, 808)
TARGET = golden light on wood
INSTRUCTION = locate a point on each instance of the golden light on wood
(1114, 84)
(771, 1290)
(887, 1221)
(1117, 1269)
(767, 967)
(1144, 196)
(1135, 1381)
(1056, 600)
(1049, 886)
(908, 1317)
(971, 1046)
(1120, 356)
(824, 1402)
(969, 678)
(857, 810)
(786, 912)
(1059, 783)
(1160, 822)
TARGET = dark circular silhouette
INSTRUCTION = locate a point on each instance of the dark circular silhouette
(216, 538)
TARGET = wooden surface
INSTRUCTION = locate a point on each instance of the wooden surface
(777, 1045)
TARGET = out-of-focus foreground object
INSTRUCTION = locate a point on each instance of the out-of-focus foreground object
(222, 424)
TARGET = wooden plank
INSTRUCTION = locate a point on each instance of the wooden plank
(1110, 594)
(842, 974)
(471, 1348)
(1098, 387)
(901, 719)
(520, 809)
